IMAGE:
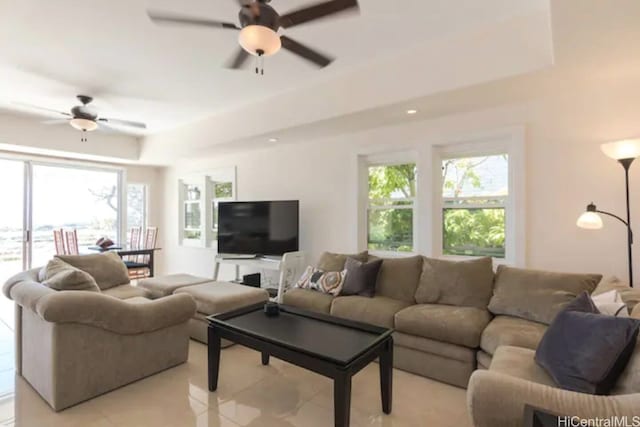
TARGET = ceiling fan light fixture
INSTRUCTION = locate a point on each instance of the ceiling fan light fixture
(258, 38)
(83, 124)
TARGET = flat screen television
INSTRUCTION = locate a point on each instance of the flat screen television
(258, 228)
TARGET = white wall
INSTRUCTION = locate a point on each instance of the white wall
(565, 170)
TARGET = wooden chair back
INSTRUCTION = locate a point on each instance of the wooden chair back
(58, 241)
(134, 237)
(150, 240)
(72, 242)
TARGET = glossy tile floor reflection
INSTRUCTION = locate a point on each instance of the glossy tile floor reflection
(249, 394)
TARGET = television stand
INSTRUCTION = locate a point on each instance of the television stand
(289, 266)
(239, 256)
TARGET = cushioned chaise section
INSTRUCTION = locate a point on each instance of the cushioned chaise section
(114, 315)
(126, 291)
(309, 300)
(376, 311)
(455, 325)
(430, 365)
(520, 363)
(220, 297)
(198, 330)
(438, 348)
(65, 370)
(162, 286)
(506, 330)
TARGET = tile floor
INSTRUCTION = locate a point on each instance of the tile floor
(249, 394)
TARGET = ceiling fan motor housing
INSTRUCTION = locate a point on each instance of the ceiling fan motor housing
(267, 17)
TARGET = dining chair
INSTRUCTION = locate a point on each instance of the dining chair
(140, 268)
(72, 242)
(134, 242)
(58, 241)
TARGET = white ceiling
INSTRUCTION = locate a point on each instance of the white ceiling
(168, 76)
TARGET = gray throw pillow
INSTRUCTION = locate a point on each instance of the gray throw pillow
(61, 276)
(107, 268)
(537, 295)
(459, 283)
(361, 278)
(585, 351)
(330, 261)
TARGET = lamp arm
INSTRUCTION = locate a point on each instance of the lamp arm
(621, 220)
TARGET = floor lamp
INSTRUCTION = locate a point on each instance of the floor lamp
(625, 152)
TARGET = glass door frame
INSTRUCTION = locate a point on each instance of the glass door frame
(27, 200)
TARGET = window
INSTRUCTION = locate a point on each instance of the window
(192, 216)
(136, 206)
(390, 207)
(222, 191)
(475, 192)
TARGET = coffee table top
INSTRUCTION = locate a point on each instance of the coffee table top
(337, 340)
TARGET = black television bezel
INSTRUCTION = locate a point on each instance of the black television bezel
(261, 201)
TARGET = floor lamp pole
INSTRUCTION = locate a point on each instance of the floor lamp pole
(626, 164)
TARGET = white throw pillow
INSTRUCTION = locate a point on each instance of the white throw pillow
(611, 303)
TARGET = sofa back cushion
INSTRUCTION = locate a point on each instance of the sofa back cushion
(61, 276)
(330, 261)
(462, 283)
(398, 278)
(537, 295)
(107, 268)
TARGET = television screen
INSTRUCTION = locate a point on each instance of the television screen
(258, 228)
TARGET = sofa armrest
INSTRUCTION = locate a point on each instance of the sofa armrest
(24, 289)
(498, 400)
(113, 314)
(636, 312)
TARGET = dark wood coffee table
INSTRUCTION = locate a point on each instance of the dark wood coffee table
(333, 347)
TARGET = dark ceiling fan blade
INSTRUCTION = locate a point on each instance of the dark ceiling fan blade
(119, 122)
(170, 18)
(35, 107)
(306, 52)
(317, 11)
(238, 60)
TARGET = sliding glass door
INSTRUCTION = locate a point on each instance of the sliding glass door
(72, 198)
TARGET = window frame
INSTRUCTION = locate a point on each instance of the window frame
(510, 142)
(387, 159)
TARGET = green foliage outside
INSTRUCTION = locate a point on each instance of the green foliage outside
(391, 186)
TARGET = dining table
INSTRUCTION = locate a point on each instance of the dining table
(125, 250)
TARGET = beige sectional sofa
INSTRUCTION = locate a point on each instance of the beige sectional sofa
(72, 345)
(450, 317)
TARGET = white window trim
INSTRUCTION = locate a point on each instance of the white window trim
(509, 141)
(384, 158)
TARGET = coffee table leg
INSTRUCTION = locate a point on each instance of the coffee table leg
(386, 375)
(265, 358)
(213, 357)
(342, 399)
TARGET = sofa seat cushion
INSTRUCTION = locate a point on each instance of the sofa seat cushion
(537, 295)
(455, 325)
(308, 300)
(138, 300)
(161, 286)
(377, 311)
(220, 297)
(126, 292)
(520, 363)
(106, 268)
(439, 348)
(507, 330)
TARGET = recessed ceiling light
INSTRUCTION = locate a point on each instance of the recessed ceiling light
(412, 112)
(273, 139)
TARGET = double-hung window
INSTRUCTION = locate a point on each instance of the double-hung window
(475, 194)
(391, 207)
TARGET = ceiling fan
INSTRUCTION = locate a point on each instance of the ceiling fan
(85, 119)
(259, 25)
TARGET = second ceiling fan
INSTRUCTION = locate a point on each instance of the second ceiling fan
(259, 26)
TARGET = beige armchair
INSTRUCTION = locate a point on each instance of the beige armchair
(497, 397)
(75, 345)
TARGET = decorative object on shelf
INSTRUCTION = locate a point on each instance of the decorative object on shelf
(625, 152)
(259, 26)
(271, 309)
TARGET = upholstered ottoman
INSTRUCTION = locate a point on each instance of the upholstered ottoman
(218, 297)
(162, 286)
